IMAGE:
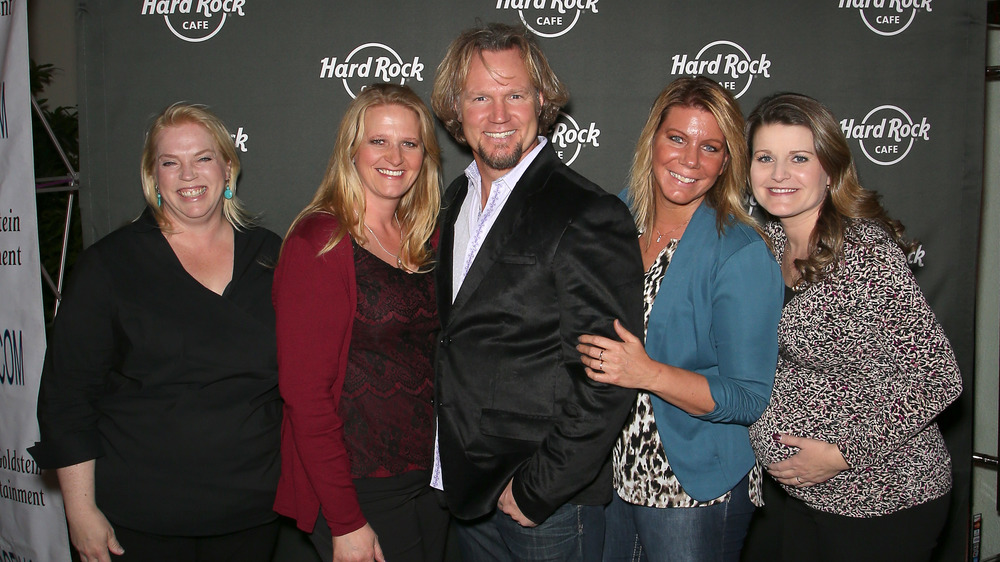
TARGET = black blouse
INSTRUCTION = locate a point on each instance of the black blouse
(170, 386)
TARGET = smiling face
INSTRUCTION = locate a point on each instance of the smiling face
(390, 155)
(191, 174)
(689, 153)
(499, 111)
(786, 175)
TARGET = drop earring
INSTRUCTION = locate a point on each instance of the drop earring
(159, 199)
(228, 193)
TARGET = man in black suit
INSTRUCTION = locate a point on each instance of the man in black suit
(532, 255)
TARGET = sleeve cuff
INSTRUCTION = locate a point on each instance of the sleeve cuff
(67, 451)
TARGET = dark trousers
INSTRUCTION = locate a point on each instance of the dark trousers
(763, 542)
(573, 533)
(251, 545)
(909, 534)
(407, 514)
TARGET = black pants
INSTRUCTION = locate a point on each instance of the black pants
(909, 534)
(404, 511)
(251, 545)
(763, 542)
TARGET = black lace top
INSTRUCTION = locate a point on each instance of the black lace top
(386, 401)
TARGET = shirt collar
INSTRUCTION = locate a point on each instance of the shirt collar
(507, 181)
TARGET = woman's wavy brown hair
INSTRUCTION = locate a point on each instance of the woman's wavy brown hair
(845, 201)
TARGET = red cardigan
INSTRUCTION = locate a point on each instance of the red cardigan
(315, 300)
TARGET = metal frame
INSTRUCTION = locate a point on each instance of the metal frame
(71, 183)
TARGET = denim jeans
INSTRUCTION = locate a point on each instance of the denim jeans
(678, 534)
(572, 533)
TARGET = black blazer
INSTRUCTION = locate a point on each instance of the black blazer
(561, 260)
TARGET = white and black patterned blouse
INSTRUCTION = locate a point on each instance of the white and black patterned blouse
(642, 474)
(863, 363)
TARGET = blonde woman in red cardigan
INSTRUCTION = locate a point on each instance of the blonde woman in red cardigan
(356, 322)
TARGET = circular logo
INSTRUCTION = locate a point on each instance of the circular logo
(887, 21)
(549, 18)
(195, 27)
(886, 134)
(568, 137)
(549, 23)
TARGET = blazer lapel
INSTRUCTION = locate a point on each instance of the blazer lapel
(689, 249)
(446, 245)
(507, 223)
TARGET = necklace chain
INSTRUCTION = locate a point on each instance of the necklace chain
(659, 235)
(399, 260)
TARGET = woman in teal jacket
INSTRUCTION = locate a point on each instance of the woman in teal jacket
(684, 471)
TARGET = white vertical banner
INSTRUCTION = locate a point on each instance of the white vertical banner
(32, 522)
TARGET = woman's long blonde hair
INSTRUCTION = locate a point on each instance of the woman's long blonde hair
(342, 194)
(726, 196)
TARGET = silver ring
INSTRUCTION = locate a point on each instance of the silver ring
(601, 366)
(798, 479)
(601, 356)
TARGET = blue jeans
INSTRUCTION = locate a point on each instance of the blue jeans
(572, 533)
(678, 534)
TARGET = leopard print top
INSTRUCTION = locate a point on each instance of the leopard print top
(863, 363)
(642, 474)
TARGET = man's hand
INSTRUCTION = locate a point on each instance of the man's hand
(507, 505)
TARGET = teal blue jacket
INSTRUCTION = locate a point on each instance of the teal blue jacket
(716, 314)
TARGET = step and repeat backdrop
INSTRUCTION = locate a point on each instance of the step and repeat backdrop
(905, 78)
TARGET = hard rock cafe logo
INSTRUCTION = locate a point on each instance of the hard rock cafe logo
(569, 137)
(886, 134)
(726, 62)
(369, 63)
(916, 257)
(549, 18)
(240, 139)
(887, 17)
(194, 21)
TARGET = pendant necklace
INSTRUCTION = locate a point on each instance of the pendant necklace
(659, 236)
(399, 261)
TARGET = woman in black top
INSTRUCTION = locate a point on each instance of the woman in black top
(159, 406)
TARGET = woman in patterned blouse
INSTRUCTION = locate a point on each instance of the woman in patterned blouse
(682, 467)
(864, 367)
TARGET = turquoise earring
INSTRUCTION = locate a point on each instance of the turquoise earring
(159, 199)
(228, 193)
